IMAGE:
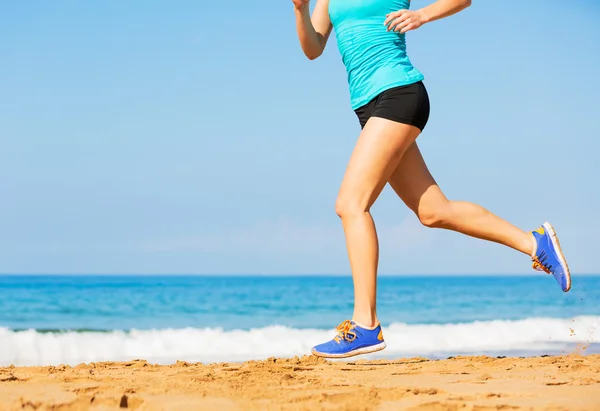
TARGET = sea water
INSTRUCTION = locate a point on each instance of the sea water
(46, 320)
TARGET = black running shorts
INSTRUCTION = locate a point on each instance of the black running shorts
(405, 104)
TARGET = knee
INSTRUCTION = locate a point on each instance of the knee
(435, 216)
(349, 207)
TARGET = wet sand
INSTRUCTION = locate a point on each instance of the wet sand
(570, 382)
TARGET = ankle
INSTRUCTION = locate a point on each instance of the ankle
(366, 321)
(531, 245)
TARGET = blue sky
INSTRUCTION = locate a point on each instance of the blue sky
(154, 137)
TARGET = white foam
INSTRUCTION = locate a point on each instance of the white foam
(535, 335)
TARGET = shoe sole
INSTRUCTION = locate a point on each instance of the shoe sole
(554, 238)
(364, 350)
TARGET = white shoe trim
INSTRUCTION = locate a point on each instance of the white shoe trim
(364, 350)
(548, 227)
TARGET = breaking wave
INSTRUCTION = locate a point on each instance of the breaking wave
(532, 336)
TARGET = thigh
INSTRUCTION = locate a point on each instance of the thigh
(413, 182)
(376, 155)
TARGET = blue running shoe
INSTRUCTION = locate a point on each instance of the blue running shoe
(548, 256)
(351, 340)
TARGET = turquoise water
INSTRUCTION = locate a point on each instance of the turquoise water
(49, 319)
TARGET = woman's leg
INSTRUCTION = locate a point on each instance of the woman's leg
(417, 188)
(376, 155)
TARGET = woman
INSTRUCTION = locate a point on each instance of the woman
(392, 106)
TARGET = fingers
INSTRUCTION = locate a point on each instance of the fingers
(390, 17)
(300, 4)
(407, 27)
(400, 21)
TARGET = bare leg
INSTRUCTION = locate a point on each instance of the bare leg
(417, 188)
(377, 154)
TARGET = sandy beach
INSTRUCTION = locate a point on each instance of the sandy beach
(570, 382)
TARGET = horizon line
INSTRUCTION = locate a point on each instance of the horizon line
(279, 274)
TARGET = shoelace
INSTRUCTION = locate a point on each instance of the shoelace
(540, 263)
(344, 332)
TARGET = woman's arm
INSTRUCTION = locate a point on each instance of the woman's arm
(443, 8)
(405, 20)
(312, 33)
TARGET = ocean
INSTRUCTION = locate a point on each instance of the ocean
(51, 320)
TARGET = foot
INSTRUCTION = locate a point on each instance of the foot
(548, 256)
(351, 339)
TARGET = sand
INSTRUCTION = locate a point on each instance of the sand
(570, 382)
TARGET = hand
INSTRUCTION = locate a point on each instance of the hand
(403, 20)
(300, 4)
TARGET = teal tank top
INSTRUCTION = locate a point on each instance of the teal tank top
(375, 59)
